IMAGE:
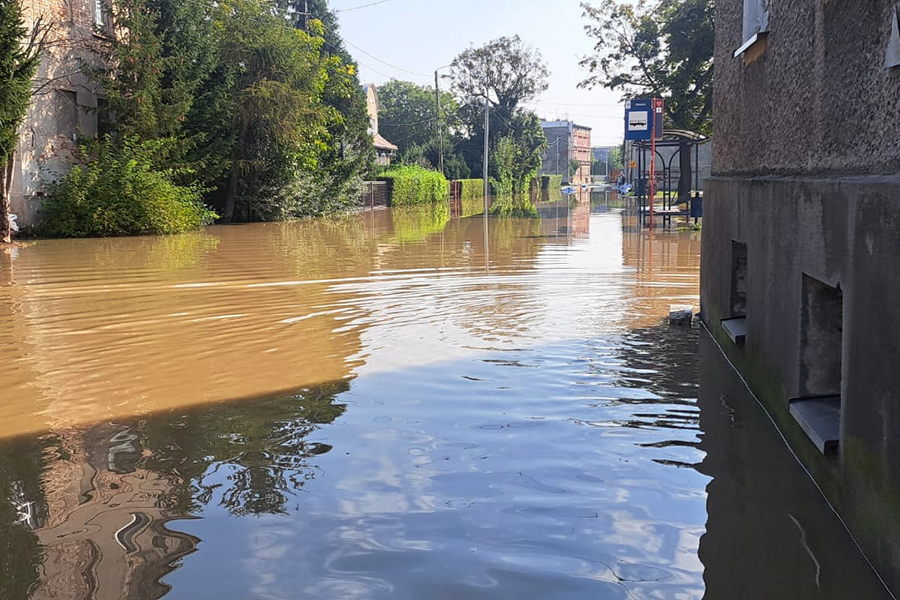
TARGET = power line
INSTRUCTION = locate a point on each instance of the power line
(340, 10)
(349, 43)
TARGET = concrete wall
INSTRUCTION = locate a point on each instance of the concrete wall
(64, 104)
(806, 173)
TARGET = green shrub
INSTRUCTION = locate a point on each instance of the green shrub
(124, 189)
(471, 189)
(551, 182)
(416, 185)
(471, 197)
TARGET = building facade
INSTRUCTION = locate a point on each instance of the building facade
(384, 150)
(567, 142)
(65, 102)
(801, 235)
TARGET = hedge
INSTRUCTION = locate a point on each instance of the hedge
(550, 182)
(471, 189)
(471, 197)
(415, 185)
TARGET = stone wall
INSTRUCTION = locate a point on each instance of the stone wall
(64, 104)
(816, 100)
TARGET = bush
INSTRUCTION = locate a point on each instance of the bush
(551, 182)
(123, 189)
(415, 185)
(471, 197)
(471, 189)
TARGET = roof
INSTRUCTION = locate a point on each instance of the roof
(567, 124)
(382, 143)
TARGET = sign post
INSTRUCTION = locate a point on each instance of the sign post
(655, 133)
(644, 123)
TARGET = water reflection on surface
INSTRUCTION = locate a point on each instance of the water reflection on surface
(394, 404)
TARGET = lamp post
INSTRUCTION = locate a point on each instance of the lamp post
(437, 110)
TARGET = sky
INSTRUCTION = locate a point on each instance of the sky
(409, 39)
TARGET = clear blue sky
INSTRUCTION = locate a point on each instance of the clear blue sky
(421, 35)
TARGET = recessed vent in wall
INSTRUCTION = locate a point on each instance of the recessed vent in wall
(818, 410)
(893, 52)
(736, 325)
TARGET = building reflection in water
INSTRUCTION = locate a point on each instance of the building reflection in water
(92, 513)
(769, 532)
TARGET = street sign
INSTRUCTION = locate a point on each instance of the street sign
(643, 117)
(637, 119)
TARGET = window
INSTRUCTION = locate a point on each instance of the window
(756, 23)
(101, 17)
(67, 113)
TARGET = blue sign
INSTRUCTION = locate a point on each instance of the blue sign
(639, 119)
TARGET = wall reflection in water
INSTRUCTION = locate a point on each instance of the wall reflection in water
(769, 532)
(93, 512)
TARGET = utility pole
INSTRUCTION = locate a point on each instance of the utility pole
(305, 15)
(487, 129)
(440, 130)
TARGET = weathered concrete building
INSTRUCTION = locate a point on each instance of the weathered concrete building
(566, 142)
(801, 236)
(65, 102)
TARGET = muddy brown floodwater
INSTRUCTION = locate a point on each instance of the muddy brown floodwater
(397, 405)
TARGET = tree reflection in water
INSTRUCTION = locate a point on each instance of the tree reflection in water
(85, 512)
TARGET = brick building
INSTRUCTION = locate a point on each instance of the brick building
(566, 142)
(65, 102)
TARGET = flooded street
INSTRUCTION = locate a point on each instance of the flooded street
(399, 405)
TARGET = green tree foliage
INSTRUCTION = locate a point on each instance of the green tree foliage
(20, 53)
(615, 158)
(407, 114)
(123, 188)
(507, 72)
(350, 154)
(266, 111)
(657, 48)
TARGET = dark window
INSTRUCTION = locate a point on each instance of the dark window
(104, 119)
(738, 279)
(66, 113)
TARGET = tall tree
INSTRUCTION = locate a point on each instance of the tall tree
(351, 153)
(20, 54)
(659, 48)
(407, 116)
(507, 72)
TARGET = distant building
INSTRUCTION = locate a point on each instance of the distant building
(566, 142)
(66, 103)
(801, 236)
(384, 149)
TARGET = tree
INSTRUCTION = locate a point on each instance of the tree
(574, 165)
(659, 48)
(20, 54)
(507, 72)
(406, 114)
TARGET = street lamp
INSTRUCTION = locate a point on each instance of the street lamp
(437, 110)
